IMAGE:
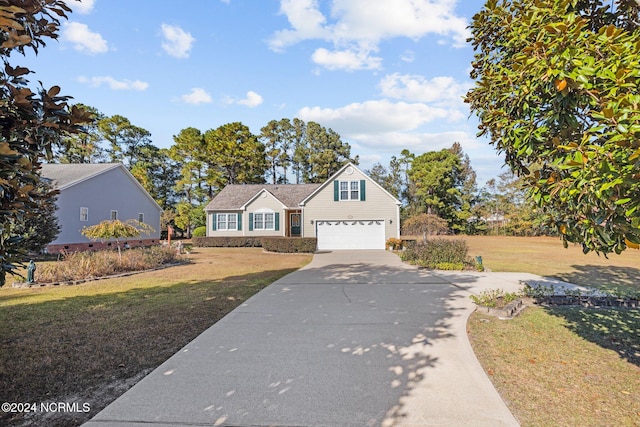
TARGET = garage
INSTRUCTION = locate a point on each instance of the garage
(350, 234)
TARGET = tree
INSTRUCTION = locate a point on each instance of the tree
(557, 91)
(189, 154)
(390, 179)
(324, 153)
(157, 173)
(298, 159)
(125, 140)
(31, 123)
(425, 225)
(236, 154)
(278, 137)
(115, 230)
(40, 227)
(82, 147)
(438, 177)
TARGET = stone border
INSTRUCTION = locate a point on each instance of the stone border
(514, 308)
(509, 311)
(24, 285)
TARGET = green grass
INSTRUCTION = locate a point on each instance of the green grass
(90, 342)
(569, 366)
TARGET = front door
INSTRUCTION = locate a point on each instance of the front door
(295, 224)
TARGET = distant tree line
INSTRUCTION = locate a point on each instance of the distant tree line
(439, 194)
(184, 177)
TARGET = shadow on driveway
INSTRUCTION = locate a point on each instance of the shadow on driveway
(354, 338)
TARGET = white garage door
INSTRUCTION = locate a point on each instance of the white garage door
(350, 234)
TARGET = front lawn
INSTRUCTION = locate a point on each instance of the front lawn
(565, 366)
(89, 343)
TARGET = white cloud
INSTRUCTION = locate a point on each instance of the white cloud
(358, 26)
(83, 39)
(346, 60)
(115, 84)
(442, 90)
(82, 7)
(177, 42)
(196, 96)
(252, 100)
(408, 56)
(305, 19)
(372, 117)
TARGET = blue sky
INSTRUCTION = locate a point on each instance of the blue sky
(386, 75)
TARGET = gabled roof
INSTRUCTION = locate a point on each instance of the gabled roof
(332, 178)
(65, 175)
(235, 197)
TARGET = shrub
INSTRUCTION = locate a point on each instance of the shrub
(494, 298)
(227, 242)
(290, 245)
(85, 265)
(434, 252)
(425, 225)
(199, 232)
(450, 266)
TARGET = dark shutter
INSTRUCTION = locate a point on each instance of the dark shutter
(250, 222)
(336, 191)
(363, 195)
(239, 222)
(277, 220)
(214, 222)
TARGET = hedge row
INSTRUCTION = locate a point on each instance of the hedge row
(227, 242)
(271, 244)
(289, 245)
(437, 253)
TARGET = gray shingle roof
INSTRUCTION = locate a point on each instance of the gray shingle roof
(235, 196)
(64, 175)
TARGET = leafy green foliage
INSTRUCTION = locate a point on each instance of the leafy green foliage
(31, 123)
(40, 227)
(199, 231)
(289, 245)
(439, 180)
(494, 297)
(434, 252)
(557, 92)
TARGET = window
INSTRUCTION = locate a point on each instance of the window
(114, 215)
(349, 190)
(264, 221)
(227, 221)
(84, 214)
(140, 217)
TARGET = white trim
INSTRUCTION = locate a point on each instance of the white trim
(335, 175)
(263, 190)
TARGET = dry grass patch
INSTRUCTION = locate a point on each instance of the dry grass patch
(545, 256)
(90, 342)
(564, 366)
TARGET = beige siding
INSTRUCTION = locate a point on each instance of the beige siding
(379, 205)
(223, 233)
(264, 201)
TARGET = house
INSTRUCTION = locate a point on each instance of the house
(348, 211)
(92, 193)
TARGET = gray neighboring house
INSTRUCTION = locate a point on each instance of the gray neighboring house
(92, 193)
(348, 211)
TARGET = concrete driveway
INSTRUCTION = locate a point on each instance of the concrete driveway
(356, 338)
